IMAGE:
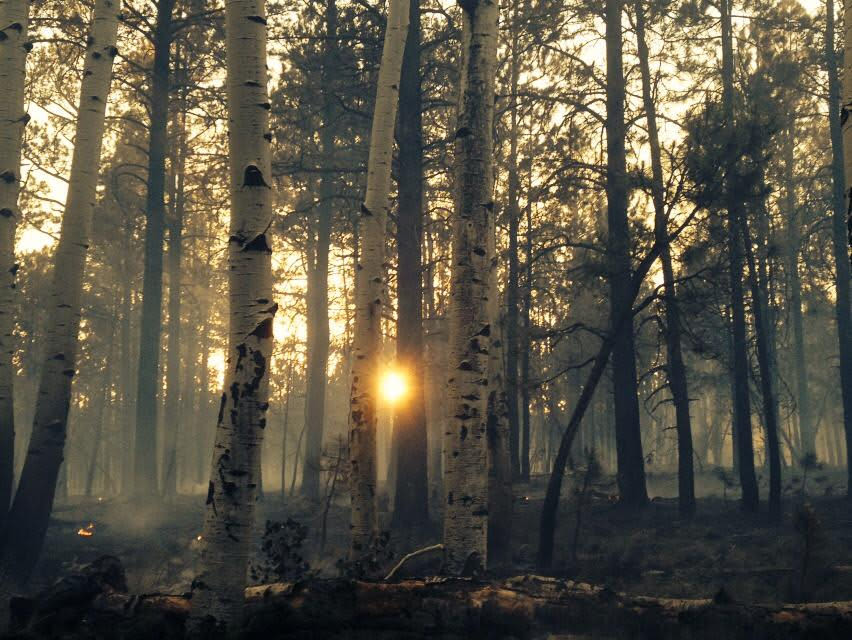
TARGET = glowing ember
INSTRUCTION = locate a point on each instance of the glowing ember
(88, 531)
(198, 538)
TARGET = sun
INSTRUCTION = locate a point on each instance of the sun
(393, 386)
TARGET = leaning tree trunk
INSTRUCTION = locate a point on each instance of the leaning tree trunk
(676, 370)
(841, 142)
(33, 503)
(631, 464)
(411, 507)
(235, 469)
(370, 288)
(739, 345)
(466, 475)
(14, 45)
(145, 451)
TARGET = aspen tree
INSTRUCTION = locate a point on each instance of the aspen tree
(466, 476)
(34, 498)
(370, 287)
(217, 592)
(14, 45)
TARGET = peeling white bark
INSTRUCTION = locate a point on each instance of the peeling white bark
(14, 45)
(235, 470)
(34, 498)
(370, 287)
(466, 476)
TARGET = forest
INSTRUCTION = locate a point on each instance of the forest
(425, 318)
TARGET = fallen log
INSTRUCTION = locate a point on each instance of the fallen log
(521, 607)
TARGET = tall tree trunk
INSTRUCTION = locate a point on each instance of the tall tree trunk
(466, 474)
(526, 350)
(145, 452)
(370, 287)
(288, 388)
(514, 215)
(764, 359)
(33, 503)
(631, 467)
(497, 427)
(177, 201)
(739, 345)
(318, 332)
(841, 145)
(14, 45)
(97, 440)
(217, 592)
(676, 370)
(803, 402)
(434, 378)
(126, 367)
(411, 506)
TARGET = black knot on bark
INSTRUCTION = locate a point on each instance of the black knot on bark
(28, 46)
(253, 177)
(112, 51)
(8, 177)
(263, 330)
(257, 19)
(260, 243)
(463, 132)
(365, 211)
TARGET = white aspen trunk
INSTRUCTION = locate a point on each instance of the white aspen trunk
(466, 475)
(14, 19)
(217, 598)
(370, 288)
(34, 498)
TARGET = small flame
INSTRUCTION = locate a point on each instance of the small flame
(198, 537)
(88, 531)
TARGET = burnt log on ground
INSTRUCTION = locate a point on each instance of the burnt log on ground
(96, 605)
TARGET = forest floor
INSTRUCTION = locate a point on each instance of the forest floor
(653, 552)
